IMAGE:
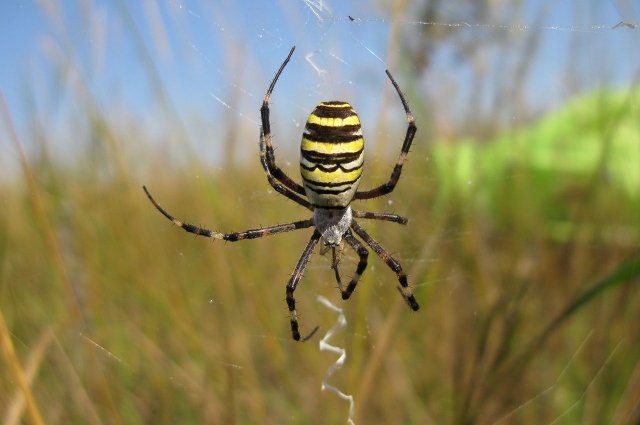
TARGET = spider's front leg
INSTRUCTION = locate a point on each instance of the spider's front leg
(388, 187)
(280, 181)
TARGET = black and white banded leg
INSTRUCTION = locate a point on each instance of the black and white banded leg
(335, 260)
(267, 155)
(363, 255)
(406, 145)
(395, 218)
(293, 283)
(236, 236)
(278, 179)
(393, 264)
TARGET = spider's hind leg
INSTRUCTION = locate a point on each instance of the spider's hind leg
(335, 260)
(293, 283)
(392, 263)
(360, 268)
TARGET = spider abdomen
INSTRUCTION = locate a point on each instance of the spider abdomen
(331, 155)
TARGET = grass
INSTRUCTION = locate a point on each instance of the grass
(527, 273)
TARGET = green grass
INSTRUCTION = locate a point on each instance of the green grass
(526, 269)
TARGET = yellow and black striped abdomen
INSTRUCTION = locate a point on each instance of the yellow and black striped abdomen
(331, 155)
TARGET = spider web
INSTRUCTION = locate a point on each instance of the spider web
(501, 68)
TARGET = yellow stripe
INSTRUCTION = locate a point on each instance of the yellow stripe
(337, 176)
(333, 122)
(332, 148)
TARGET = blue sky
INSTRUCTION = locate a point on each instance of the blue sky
(215, 59)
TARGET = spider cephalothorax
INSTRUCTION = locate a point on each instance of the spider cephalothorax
(331, 162)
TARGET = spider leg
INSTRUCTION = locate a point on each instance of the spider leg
(232, 237)
(406, 145)
(334, 266)
(393, 264)
(380, 216)
(278, 184)
(293, 283)
(360, 268)
(267, 155)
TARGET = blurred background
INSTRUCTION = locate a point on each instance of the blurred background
(522, 189)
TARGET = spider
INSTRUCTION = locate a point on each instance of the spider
(331, 161)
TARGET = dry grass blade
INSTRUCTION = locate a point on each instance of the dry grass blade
(41, 213)
(19, 373)
(34, 360)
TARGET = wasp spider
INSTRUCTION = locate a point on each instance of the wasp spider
(331, 161)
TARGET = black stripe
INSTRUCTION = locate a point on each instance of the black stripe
(323, 111)
(330, 168)
(328, 191)
(330, 130)
(331, 184)
(332, 138)
(330, 158)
